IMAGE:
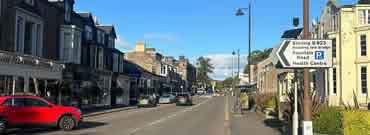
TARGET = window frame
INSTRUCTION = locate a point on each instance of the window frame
(363, 45)
(335, 81)
(21, 18)
(334, 47)
(363, 83)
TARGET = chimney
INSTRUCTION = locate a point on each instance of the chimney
(140, 46)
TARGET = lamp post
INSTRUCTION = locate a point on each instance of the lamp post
(240, 12)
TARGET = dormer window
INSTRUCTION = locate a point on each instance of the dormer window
(67, 11)
(30, 2)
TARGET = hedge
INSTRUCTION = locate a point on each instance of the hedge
(356, 122)
(329, 121)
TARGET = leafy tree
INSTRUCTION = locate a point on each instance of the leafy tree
(258, 56)
(204, 67)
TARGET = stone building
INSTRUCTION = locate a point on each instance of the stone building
(187, 71)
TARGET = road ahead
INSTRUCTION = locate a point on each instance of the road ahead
(206, 117)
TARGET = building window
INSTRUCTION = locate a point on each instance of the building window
(363, 17)
(28, 36)
(98, 35)
(363, 45)
(67, 46)
(93, 52)
(101, 58)
(334, 81)
(115, 63)
(111, 42)
(88, 32)
(334, 48)
(71, 46)
(30, 2)
(364, 80)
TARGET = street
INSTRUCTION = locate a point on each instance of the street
(207, 116)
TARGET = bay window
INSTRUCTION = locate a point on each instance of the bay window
(101, 58)
(70, 50)
(29, 32)
(115, 62)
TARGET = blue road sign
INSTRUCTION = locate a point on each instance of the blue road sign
(319, 55)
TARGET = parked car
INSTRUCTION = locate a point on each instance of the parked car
(184, 99)
(167, 99)
(147, 101)
(206, 96)
(33, 111)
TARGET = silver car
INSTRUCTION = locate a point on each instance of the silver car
(167, 99)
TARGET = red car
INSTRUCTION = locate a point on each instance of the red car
(33, 111)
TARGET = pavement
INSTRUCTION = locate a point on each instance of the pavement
(208, 116)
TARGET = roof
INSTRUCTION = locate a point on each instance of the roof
(108, 29)
(85, 15)
(293, 33)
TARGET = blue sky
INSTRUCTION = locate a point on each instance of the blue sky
(199, 27)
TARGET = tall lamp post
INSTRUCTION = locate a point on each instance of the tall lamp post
(240, 12)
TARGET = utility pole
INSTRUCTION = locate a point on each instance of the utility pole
(307, 103)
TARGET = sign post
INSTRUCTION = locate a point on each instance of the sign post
(305, 54)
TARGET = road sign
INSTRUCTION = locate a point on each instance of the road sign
(305, 53)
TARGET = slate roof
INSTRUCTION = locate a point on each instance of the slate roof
(293, 33)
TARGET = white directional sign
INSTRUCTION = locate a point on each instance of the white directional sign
(305, 53)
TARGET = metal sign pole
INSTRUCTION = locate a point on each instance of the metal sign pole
(307, 107)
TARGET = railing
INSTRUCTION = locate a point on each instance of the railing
(34, 61)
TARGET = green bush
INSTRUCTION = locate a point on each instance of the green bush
(271, 103)
(356, 122)
(328, 121)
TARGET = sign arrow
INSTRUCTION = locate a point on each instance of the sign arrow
(281, 55)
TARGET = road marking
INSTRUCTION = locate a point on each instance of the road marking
(227, 117)
(168, 117)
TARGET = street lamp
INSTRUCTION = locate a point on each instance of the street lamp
(240, 12)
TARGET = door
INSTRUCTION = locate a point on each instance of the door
(39, 111)
(15, 111)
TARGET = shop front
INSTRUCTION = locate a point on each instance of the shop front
(31, 75)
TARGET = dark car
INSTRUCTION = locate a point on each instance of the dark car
(184, 99)
(33, 111)
(147, 101)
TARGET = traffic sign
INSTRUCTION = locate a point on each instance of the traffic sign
(305, 53)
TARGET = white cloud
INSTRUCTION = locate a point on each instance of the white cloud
(168, 37)
(224, 64)
(121, 43)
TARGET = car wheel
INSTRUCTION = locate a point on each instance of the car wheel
(67, 123)
(3, 126)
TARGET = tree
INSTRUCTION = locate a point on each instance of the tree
(204, 67)
(258, 56)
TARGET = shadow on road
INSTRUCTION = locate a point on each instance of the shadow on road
(275, 124)
(37, 131)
